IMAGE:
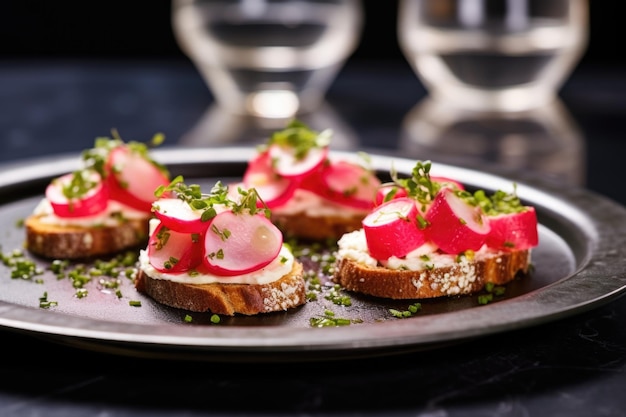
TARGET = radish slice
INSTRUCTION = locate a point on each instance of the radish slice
(349, 184)
(236, 244)
(91, 194)
(448, 182)
(274, 189)
(314, 182)
(178, 215)
(388, 192)
(171, 251)
(456, 226)
(233, 191)
(514, 231)
(134, 179)
(392, 229)
(286, 163)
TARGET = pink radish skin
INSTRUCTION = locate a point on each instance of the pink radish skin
(345, 183)
(236, 244)
(392, 229)
(286, 164)
(274, 189)
(184, 248)
(455, 226)
(133, 179)
(94, 201)
(178, 215)
(515, 231)
(352, 182)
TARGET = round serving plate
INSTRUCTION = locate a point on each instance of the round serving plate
(579, 264)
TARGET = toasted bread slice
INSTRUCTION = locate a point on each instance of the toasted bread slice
(305, 227)
(454, 278)
(308, 216)
(56, 241)
(228, 299)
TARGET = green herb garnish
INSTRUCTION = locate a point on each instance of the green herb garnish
(300, 137)
(410, 311)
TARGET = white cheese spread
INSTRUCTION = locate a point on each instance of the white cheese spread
(426, 257)
(275, 270)
(110, 217)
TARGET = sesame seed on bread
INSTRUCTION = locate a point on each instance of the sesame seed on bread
(228, 299)
(65, 241)
(465, 276)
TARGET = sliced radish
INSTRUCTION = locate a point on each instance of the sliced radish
(178, 215)
(349, 184)
(314, 182)
(171, 251)
(286, 162)
(455, 225)
(236, 244)
(388, 192)
(274, 189)
(233, 191)
(514, 231)
(133, 179)
(90, 191)
(448, 182)
(392, 229)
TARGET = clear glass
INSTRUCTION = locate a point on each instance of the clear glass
(268, 58)
(501, 55)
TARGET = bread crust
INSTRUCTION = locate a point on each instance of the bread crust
(464, 277)
(79, 242)
(305, 227)
(228, 299)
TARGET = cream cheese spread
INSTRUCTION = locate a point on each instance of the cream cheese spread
(109, 217)
(274, 271)
(353, 246)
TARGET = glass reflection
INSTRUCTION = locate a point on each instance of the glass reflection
(219, 127)
(544, 140)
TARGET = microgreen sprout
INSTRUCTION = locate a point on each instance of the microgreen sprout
(247, 200)
(300, 137)
(419, 186)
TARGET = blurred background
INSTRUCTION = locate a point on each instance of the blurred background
(134, 30)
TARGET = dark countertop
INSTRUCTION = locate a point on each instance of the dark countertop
(570, 367)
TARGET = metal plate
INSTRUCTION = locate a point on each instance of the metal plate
(579, 264)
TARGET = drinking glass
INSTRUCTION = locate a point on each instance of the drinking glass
(500, 55)
(268, 58)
